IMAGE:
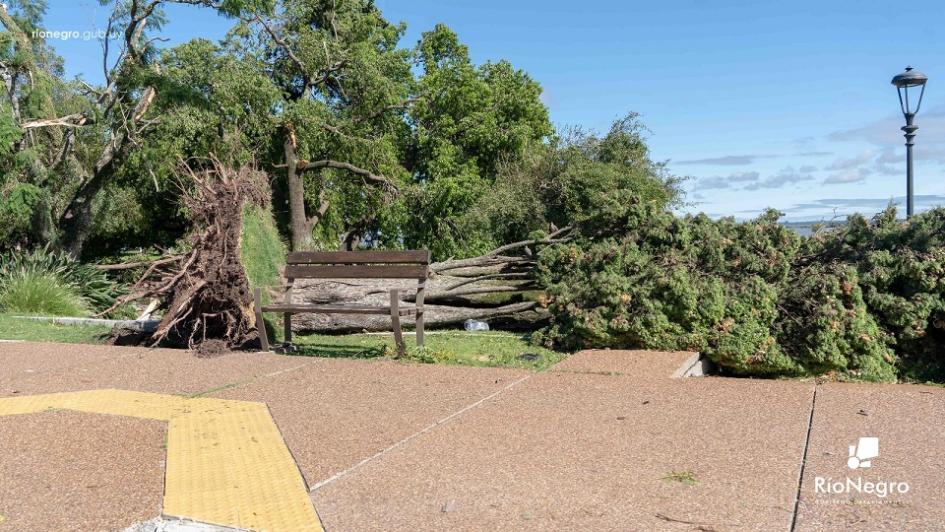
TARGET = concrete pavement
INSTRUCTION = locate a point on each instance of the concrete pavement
(604, 440)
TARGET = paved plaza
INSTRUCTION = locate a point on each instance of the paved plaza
(101, 438)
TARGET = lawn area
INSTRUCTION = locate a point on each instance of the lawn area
(18, 328)
(494, 348)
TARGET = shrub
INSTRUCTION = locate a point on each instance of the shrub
(91, 284)
(34, 293)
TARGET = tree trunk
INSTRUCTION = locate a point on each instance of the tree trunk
(75, 224)
(299, 225)
(456, 291)
(76, 221)
(442, 311)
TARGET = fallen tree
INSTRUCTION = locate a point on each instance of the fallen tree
(205, 292)
(493, 287)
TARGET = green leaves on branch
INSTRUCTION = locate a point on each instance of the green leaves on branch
(866, 301)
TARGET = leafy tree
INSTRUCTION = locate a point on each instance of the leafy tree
(468, 121)
(343, 85)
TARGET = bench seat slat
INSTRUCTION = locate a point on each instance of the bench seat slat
(359, 257)
(404, 310)
(355, 271)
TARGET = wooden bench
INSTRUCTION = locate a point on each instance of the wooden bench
(350, 265)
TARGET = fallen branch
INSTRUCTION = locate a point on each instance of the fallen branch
(137, 264)
(499, 254)
(487, 278)
(701, 524)
(73, 120)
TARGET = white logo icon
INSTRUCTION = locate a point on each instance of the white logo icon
(863, 452)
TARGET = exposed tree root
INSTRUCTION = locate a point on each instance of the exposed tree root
(205, 291)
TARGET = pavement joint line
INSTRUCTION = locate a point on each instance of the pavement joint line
(227, 462)
(341, 474)
(800, 476)
(237, 384)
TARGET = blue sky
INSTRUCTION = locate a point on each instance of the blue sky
(780, 104)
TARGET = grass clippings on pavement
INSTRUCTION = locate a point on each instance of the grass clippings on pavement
(686, 478)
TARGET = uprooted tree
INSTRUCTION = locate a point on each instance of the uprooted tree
(371, 144)
(205, 291)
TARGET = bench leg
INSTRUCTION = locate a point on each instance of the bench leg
(260, 324)
(420, 329)
(395, 319)
(287, 328)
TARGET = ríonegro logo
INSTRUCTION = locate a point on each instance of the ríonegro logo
(861, 456)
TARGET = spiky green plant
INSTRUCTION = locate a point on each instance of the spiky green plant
(41, 294)
(92, 284)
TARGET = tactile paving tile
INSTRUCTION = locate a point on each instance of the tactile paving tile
(227, 463)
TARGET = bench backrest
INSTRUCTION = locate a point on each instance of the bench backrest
(413, 264)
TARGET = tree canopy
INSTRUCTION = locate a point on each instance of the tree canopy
(367, 141)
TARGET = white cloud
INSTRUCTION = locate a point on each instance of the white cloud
(853, 162)
(721, 182)
(848, 175)
(785, 176)
(726, 160)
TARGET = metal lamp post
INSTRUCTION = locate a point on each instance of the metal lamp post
(910, 79)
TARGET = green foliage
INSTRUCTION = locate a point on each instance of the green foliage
(42, 294)
(864, 302)
(901, 273)
(9, 130)
(18, 209)
(89, 283)
(469, 147)
(467, 121)
(263, 251)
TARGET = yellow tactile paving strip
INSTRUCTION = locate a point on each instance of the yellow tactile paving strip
(227, 463)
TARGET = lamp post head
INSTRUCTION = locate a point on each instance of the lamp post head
(905, 80)
(910, 77)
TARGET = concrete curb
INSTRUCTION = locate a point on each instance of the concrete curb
(135, 325)
(694, 366)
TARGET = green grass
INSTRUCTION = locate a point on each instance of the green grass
(494, 348)
(36, 293)
(44, 331)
